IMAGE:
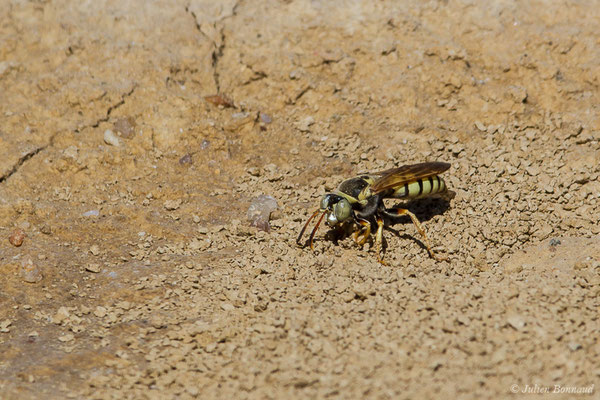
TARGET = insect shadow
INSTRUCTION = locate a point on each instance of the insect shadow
(424, 209)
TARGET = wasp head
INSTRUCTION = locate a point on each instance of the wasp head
(338, 208)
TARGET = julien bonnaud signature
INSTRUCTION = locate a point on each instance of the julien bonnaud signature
(558, 389)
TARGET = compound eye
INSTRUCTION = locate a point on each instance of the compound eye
(325, 202)
(342, 210)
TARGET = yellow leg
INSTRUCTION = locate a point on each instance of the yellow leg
(413, 217)
(366, 228)
(379, 241)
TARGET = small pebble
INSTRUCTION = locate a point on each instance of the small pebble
(265, 118)
(100, 312)
(210, 347)
(186, 159)
(95, 268)
(554, 242)
(95, 250)
(253, 171)
(29, 272)
(239, 115)
(480, 126)
(66, 338)
(518, 94)
(126, 127)
(62, 314)
(574, 346)
(516, 321)
(110, 138)
(45, 229)
(172, 204)
(219, 100)
(304, 124)
(4, 325)
(157, 322)
(71, 152)
(16, 237)
(91, 213)
(260, 211)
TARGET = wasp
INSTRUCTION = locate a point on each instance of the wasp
(360, 200)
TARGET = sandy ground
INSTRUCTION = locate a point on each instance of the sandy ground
(138, 275)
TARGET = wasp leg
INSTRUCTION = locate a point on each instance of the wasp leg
(366, 228)
(413, 217)
(379, 240)
(304, 228)
(312, 234)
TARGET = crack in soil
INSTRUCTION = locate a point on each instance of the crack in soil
(258, 75)
(22, 160)
(216, 56)
(218, 49)
(300, 94)
(15, 168)
(112, 108)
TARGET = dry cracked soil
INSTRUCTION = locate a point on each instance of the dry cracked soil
(135, 135)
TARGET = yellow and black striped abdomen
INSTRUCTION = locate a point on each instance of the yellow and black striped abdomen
(420, 188)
